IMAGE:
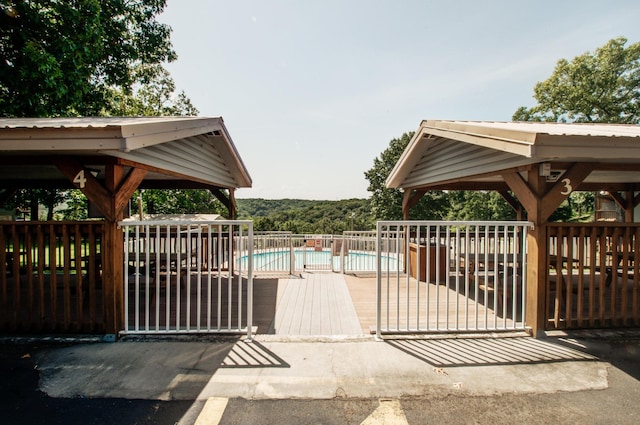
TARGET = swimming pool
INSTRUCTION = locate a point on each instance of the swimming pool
(280, 260)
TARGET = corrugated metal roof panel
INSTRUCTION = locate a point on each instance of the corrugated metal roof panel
(551, 128)
(196, 148)
(87, 122)
(448, 150)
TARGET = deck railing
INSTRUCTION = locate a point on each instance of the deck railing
(186, 277)
(593, 277)
(451, 276)
(50, 277)
(351, 252)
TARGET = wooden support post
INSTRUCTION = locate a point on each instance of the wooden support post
(541, 200)
(113, 258)
(629, 207)
(111, 199)
(229, 202)
(536, 259)
(409, 200)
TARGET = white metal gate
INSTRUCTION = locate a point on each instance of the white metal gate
(450, 276)
(187, 277)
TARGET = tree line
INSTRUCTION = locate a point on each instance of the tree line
(91, 58)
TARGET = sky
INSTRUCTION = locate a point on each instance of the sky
(313, 91)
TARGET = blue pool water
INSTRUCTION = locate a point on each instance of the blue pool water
(309, 258)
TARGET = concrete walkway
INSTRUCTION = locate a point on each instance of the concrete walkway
(272, 368)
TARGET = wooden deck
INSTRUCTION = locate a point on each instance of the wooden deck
(331, 304)
(315, 304)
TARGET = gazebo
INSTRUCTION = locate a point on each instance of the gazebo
(108, 159)
(578, 275)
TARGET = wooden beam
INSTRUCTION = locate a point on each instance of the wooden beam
(568, 182)
(410, 199)
(528, 199)
(158, 170)
(628, 209)
(126, 189)
(513, 202)
(636, 200)
(232, 203)
(6, 194)
(87, 183)
(617, 197)
(113, 254)
(222, 197)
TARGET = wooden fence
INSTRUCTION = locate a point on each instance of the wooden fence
(50, 277)
(593, 278)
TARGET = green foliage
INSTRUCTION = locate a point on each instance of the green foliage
(85, 58)
(386, 204)
(257, 207)
(479, 205)
(155, 96)
(174, 201)
(603, 86)
(77, 206)
(31, 199)
(63, 58)
(578, 207)
(307, 217)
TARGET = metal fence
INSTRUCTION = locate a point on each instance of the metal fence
(187, 277)
(450, 276)
(285, 252)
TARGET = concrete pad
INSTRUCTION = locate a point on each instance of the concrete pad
(272, 368)
(137, 370)
(369, 369)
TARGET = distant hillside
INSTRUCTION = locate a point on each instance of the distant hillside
(257, 207)
(306, 216)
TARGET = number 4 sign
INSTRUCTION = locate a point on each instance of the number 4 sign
(80, 179)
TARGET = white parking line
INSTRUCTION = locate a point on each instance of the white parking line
(212, 411)
(389, 412)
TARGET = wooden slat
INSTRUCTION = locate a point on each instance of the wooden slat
(66, 294)
(3, 276)
(28, 253)
(13, 320)
(41, 288)
(602, 287)
(580, 297)
(615, 251)
(601, 299)
(77, 256)
(636, 277)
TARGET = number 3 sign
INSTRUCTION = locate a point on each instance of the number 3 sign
(567, 187)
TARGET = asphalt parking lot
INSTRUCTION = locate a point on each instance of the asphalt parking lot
(78, 383)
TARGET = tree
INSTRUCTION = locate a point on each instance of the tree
(179, 201)
(65, 58)
(603, 86)
(386, 203)
(31, 199)
(154, 96)
(478, 205)
(86, 57)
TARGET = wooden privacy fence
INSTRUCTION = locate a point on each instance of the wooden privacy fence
(50, 277)
(592, 277)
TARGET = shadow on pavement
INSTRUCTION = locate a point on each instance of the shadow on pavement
(104, 383)
(454, 352)
(620, 348)
(252, 355)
